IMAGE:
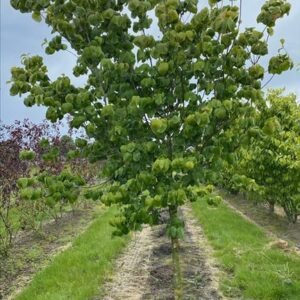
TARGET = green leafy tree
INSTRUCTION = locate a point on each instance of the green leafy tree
(52, 183)
(165, 81)
(271, 160)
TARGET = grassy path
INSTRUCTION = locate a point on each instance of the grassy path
(254, 267)
(275, 223)
(33, 251)
(78, 272)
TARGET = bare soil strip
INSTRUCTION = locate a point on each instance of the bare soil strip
(31, 252)
(199, 261)
(144, 271)
(275, 225)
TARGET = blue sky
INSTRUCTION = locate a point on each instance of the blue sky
(20, 34)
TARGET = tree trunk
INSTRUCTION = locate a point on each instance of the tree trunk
(177, 269)
(290, 211)
(178, 281)
(271, 207)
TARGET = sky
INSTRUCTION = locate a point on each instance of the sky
(20, 34)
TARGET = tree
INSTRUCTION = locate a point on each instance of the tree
(158, 106)
(31, 150)
(13, 139)
(271, 159)
(10, 167)
(53, 180)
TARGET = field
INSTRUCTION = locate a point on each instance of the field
(230, 258)
(165, 164)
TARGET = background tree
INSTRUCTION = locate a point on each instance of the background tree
(271, 158)
(13, 139)
(165, 81)
(29, 149)
(55, 176)
(11, 168)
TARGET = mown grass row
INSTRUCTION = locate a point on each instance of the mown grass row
(254, 269)
(78, 272)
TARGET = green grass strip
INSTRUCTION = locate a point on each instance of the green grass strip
(78, 272)
(253, 269)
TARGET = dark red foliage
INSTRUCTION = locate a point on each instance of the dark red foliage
(14, 138)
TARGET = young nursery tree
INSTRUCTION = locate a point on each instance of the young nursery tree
(11, 167)
(13, 139)
(164, 81)
(272, 159)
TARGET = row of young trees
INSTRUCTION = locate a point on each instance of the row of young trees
(170, 86)
(41, 172)
(268, 167)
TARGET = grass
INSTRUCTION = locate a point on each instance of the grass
(17, 213)
(14, 220)
(253, 269)
(78, 272)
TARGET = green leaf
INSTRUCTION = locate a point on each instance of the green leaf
(36, 16)
(163, 68)
(27, 155)
(67, 107)
(159, 126)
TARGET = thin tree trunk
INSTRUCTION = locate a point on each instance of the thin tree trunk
(178, 281)
(271, 207)
(177, 269)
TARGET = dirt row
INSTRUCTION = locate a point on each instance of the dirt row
(144, 271)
